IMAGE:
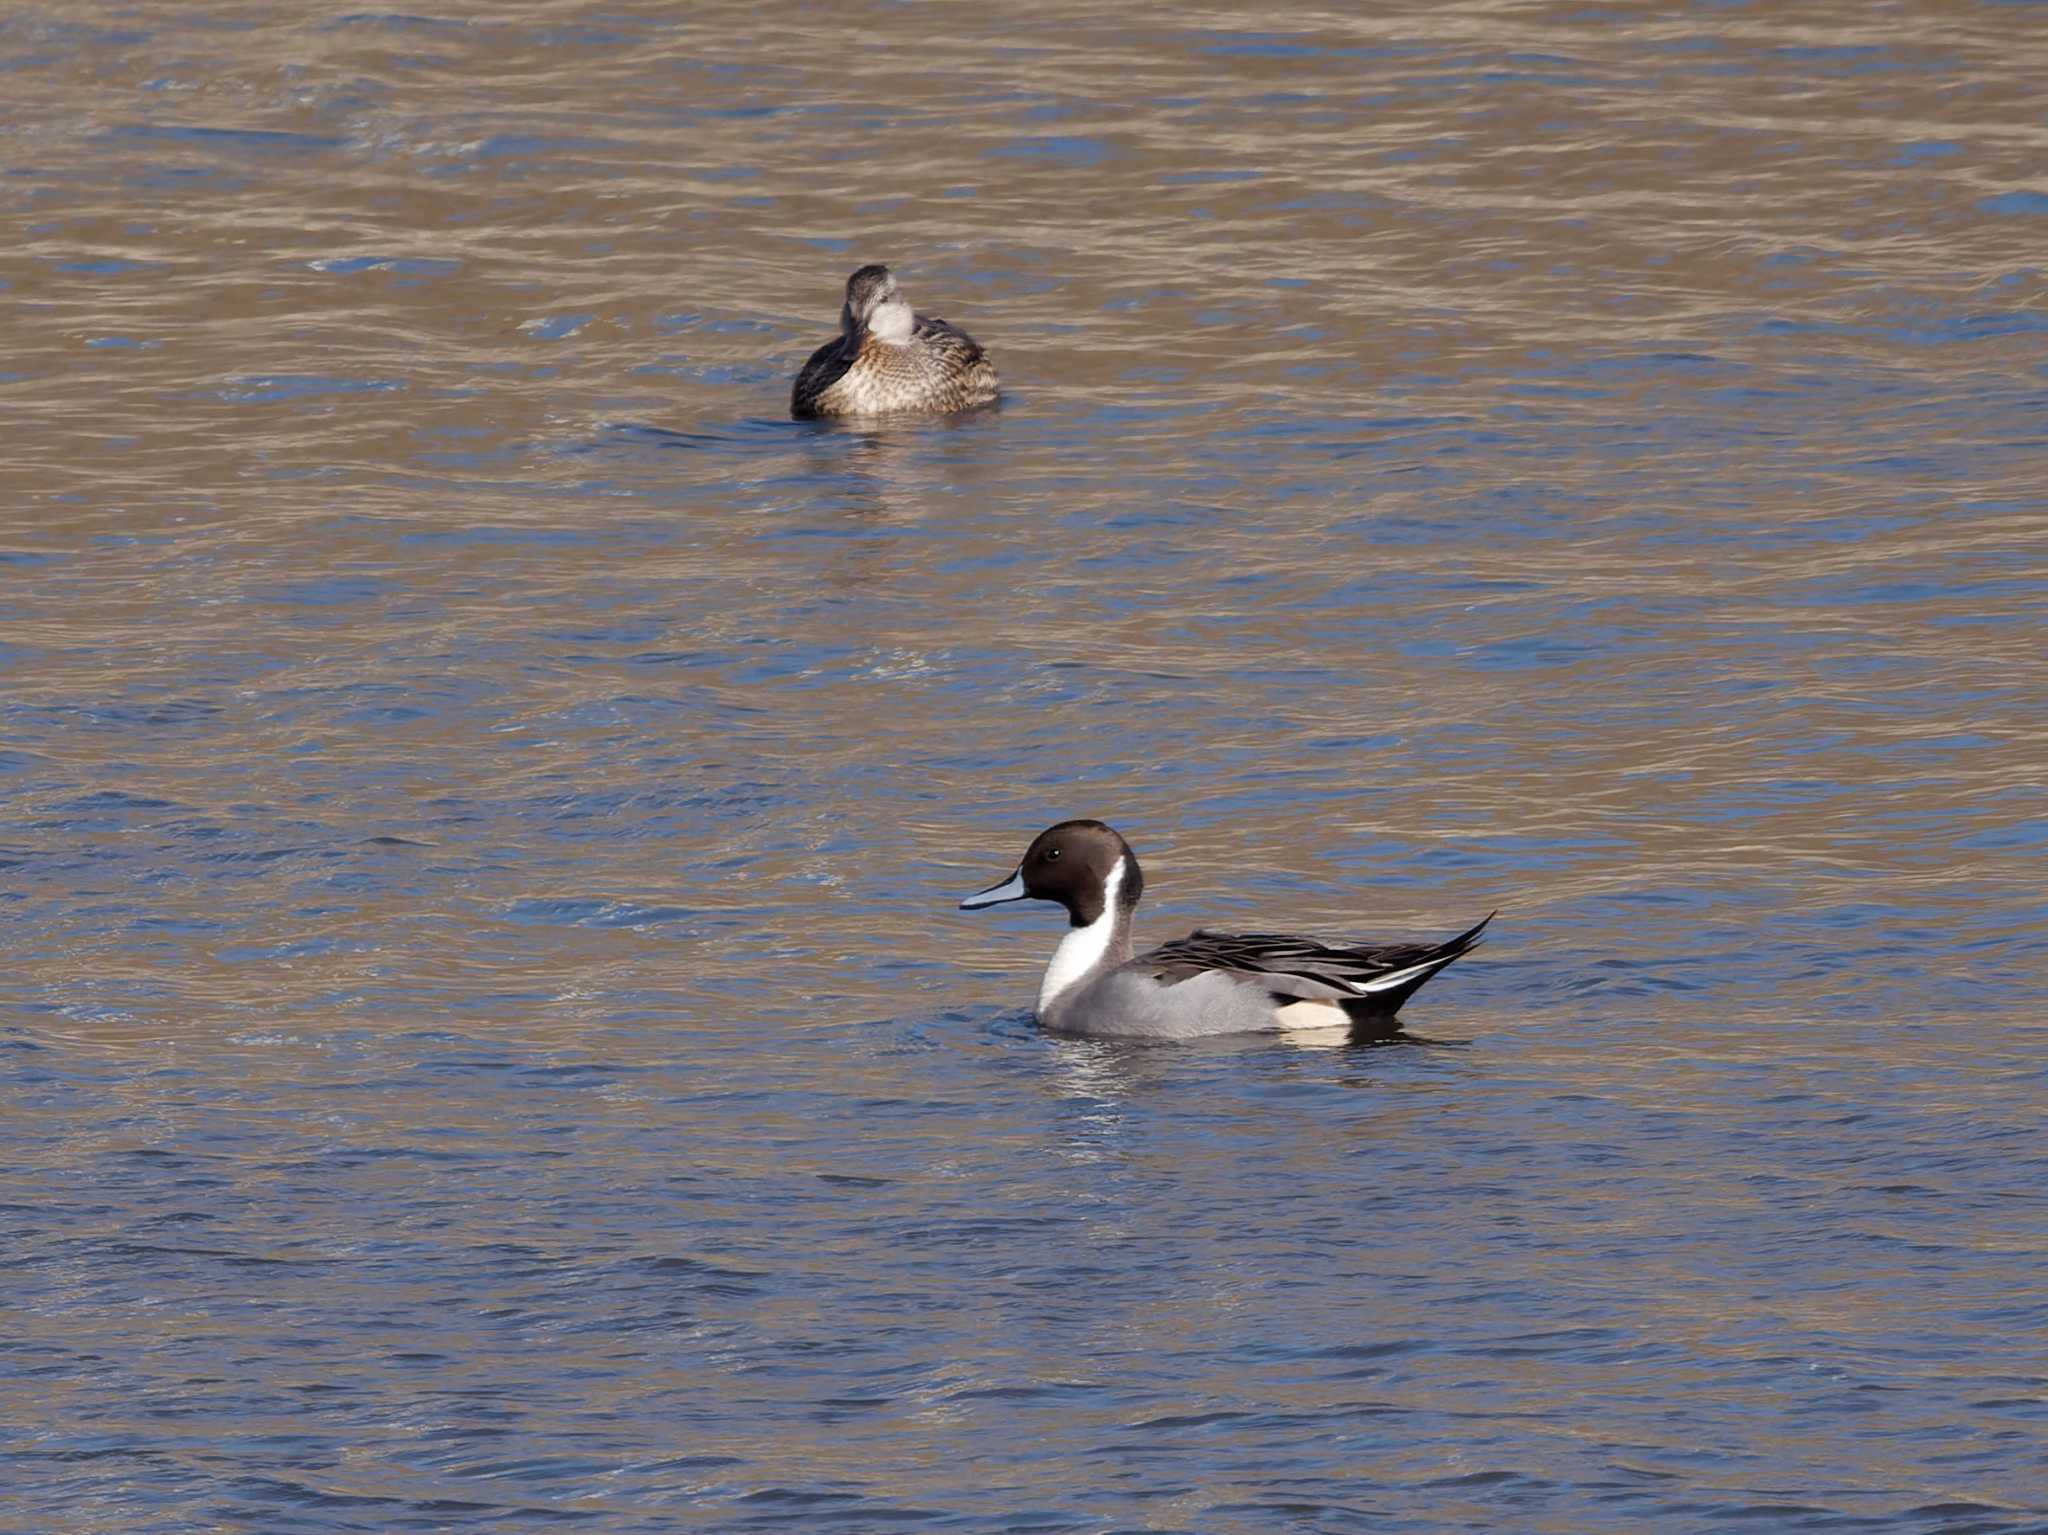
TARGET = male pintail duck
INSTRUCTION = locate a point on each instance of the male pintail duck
(889, 360)
(1205, 983)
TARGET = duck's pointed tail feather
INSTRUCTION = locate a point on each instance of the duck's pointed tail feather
(1382, 995)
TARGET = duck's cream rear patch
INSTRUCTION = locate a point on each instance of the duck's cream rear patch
(1310, 1015)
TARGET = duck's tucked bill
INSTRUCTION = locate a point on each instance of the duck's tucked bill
(889, 360)
(1207, 982)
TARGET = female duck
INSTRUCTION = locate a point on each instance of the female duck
(889, 360)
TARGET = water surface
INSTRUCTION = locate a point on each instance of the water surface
(489, 1041)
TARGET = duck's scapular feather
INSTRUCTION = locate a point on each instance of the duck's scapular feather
(1361, 978)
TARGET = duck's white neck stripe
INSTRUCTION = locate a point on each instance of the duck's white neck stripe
(1084, 947)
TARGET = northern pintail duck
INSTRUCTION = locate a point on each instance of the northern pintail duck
(1207, 982)
(889, 360)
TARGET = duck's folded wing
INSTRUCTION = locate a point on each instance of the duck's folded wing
(827, 366)
(1289, 965)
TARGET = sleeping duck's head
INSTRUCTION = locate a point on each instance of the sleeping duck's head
(875, 308)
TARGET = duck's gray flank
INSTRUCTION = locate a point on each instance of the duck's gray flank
(1207, 982)
(890, 360)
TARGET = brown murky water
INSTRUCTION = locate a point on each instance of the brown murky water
(489, 1040)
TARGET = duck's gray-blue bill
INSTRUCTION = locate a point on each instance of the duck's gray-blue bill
(1011, 889)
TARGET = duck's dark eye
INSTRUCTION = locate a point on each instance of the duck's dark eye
(1052, 855)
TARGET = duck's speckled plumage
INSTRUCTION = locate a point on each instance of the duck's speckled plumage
(933, 368)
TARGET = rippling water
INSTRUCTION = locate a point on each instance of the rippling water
(489, 1042)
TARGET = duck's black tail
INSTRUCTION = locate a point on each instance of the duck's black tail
(1403, 969)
